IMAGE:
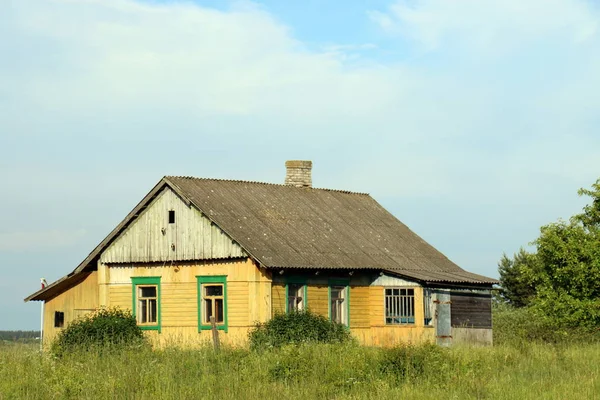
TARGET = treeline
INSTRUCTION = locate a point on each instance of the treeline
(560, 279)
(19, 335)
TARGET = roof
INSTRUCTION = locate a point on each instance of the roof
(283, 226)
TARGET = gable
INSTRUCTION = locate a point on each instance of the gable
(150, 237)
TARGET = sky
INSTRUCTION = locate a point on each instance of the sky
(472, 121)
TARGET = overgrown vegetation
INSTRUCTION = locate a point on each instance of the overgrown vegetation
(105, 328)
(530, 360)
(526, 325)
(297, 327)
(560, 281)
(315, 371)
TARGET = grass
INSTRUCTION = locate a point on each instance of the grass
(343, 371)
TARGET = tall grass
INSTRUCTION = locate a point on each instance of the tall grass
(321, 371)
(530, 360)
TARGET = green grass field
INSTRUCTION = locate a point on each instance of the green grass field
(518, 371)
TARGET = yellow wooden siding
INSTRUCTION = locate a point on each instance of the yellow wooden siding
(277, 298)
(179, 305)
(74, 303)
(394, 335)
(120, 296)
(248, 297)
(377, 333)
(237, 304)
(150, 237)
(376, 306)
(360, 312)
(317, 297)
(252, 297)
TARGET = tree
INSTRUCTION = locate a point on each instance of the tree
(518, 276)
(564, 271)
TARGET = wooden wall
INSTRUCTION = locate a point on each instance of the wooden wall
(360, 306)
(277, 298)
(248, 296)
(74, 303)
(150, 237)
(367, 311)
(373, 331)
(471, 310)
(318, 299)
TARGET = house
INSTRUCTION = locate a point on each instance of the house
(240, 252)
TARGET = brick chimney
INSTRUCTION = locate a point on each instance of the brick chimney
(298, 173)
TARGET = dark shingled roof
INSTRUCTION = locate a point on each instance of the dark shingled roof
(284, 226)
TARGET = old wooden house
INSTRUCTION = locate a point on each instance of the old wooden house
(240, 252)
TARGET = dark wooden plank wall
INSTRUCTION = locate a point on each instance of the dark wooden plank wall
(471, 310)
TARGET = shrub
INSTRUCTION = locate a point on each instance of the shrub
(103, 328)
(297, 327)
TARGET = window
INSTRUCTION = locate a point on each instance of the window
(427, 306)
(147, 307)
(59, 319)
(212, 302)
(146, 302)
(339, 304)
(399, 306)
(172, 217)
(296, 297)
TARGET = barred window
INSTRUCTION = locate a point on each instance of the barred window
(399, 306)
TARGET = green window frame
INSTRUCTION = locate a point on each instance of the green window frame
(205, 280)
(137, 282)
(299, 282)
(346, 285)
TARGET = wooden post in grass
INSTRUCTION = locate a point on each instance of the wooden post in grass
(215, 333)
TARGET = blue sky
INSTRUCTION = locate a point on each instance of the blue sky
(474, 122)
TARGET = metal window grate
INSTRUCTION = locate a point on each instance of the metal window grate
(399, 306)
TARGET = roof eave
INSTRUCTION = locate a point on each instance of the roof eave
(445, 283)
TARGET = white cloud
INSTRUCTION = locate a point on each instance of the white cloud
(37, 241)
(488, 23)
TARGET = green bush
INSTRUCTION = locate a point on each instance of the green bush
(527, 324)
(297, 327)
(103, 328)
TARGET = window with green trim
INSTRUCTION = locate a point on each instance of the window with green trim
(212, 302)
(338, 304)
(146, 301)
(339, 301)
(295, 295)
